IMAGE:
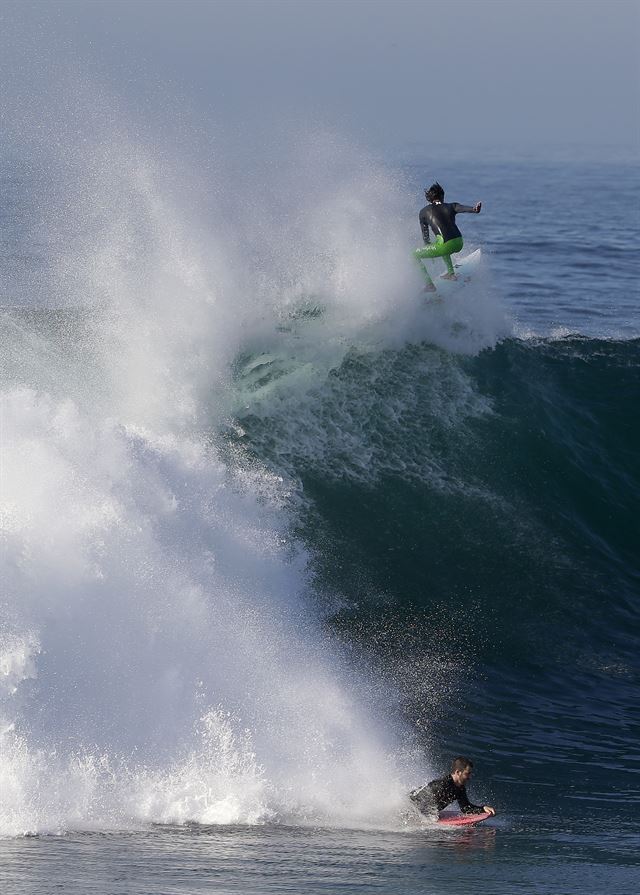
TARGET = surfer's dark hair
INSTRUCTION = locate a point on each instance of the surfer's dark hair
(435, 193)
(461, 763)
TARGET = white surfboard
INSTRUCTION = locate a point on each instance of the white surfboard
(465, 266)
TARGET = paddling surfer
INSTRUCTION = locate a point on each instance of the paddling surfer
(435, 796)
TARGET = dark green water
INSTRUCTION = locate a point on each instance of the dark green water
(489, 544)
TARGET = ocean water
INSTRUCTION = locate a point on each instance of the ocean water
(280, 537)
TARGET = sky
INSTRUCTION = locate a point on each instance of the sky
(474, 75)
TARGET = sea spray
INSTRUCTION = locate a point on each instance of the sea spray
(177, 668)
(159, 587)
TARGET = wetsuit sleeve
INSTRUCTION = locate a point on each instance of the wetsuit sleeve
(424, 226)
(462, 209)
(466, 806)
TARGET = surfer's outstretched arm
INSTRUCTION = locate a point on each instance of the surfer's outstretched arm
(467, 209)
(466, 806)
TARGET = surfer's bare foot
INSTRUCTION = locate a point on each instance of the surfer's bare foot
(448, 276)
(429, 288)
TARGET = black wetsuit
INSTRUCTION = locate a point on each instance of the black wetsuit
(442, 220)
(442, 792)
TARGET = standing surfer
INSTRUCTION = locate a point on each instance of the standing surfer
(440, 216)
(435, 796)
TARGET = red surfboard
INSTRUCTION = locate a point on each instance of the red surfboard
(461, 820)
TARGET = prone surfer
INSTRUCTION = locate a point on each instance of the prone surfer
(440, 216)
(436, 795)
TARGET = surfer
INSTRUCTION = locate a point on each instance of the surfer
(440, 216)
(435, 796)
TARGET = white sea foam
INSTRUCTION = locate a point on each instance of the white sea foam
(161, 660)
(159, 586)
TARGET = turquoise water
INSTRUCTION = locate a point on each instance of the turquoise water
(241, 619)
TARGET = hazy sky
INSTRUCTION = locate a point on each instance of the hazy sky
(395, 73)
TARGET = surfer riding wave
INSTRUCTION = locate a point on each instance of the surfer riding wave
(440, 217)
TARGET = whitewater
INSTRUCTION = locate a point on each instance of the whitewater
(278, 539)
(161, 656)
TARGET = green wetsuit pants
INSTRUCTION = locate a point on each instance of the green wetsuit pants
(438, 249)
